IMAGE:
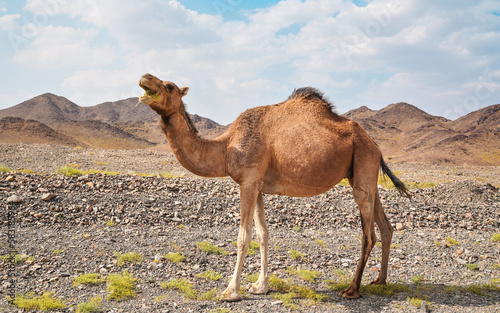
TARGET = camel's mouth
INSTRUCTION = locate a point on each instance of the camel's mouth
(149, 96)
(148, 83)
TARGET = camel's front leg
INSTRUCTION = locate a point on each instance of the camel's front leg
(248, 204)
(260, 286)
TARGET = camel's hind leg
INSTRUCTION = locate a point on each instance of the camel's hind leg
(364, 193)
(386, 231)
(261, 285)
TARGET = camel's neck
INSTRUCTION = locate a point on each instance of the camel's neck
(202, 157)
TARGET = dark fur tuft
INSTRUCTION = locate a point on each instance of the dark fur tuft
(400, 186)
(312, 93)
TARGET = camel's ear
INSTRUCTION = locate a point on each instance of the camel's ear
(184, 91)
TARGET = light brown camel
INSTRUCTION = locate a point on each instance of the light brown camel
(296, 148)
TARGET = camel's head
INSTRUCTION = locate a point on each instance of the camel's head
(162, 96)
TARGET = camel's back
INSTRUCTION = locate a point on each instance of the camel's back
(302, 140)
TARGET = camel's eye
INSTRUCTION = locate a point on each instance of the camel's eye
(170, 87)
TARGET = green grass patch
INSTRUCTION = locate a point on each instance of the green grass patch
(45, 302)
(188, 290)
(299, 291)
(416, 302)
(495, 238)
(297, 256)
(110, 223)
(57, 251)
(320, 242)
(288, 299)
(211, 249)
(297, 228)
(472, 266)
(132, 257)
(69, 171)
(252, 278)
(252, 247)
(87, 279)
(175, 257)
(307, 275)
(121, 286)
(451, 242)
(93, 305)
(17, 258)
(210, 275)
(101, 163)
(5, 169)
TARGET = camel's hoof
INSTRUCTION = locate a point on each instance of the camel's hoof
(350, 293)
(230, 296)
(257, 289)
(378, 282)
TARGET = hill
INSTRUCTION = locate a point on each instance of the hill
(406, 133)
(123, 124)
(402, 131)
(15, 130)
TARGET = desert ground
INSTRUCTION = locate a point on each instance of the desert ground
(444, 248)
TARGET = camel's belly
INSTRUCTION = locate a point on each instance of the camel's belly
(296, 187)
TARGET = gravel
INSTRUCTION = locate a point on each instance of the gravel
(73, 225)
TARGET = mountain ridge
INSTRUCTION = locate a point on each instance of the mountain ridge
(403, 131)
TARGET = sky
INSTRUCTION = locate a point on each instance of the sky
(441, 56)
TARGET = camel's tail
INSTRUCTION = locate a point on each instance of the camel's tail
(400, 186)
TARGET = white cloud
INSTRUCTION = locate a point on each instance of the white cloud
(62, 47)
(8, 22)
(422, 52)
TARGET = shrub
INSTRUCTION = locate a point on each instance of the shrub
(132, 257)
(451, 242)
(121, 286)
(306, 275)
(296, 255)
(211, 249)
(87, 279)
(93, 305)
(175, 257)
(472, 266)
(495, 238)
(182, 285)
(44, 302)
(416, 302)
(210, 275)
(69, 171)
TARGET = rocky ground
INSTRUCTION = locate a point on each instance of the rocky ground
(68, 226)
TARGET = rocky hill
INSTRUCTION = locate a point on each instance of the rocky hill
(123, 124)
(406, 133)
(403, 131)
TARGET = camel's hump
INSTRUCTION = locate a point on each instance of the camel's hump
(311, 93)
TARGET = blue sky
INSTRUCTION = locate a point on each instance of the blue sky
(441, 56)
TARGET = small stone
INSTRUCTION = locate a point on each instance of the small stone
(48, 196)
(90, 184)
(399, 226)
(103, 270)
(43, 190)
(10, 178)
(44, 259)
(53, 279)
(38, 215)
(424, 308)
(176, 219)
(13, 199)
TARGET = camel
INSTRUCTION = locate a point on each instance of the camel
(298, 148)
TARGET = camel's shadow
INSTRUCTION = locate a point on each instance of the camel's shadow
(437, 296)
